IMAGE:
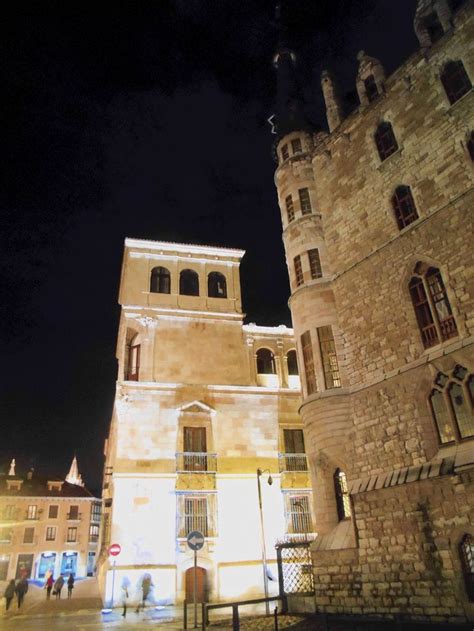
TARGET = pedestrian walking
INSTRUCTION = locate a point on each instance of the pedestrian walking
(124, 597)
(58, 585)
(9, 594)
(146, 589)
(21, 589)
(70, 585)
(49, 586)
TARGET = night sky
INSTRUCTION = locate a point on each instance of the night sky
(148, 120)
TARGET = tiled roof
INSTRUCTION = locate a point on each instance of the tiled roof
(38, 487)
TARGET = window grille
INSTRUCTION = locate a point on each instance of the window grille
(404, 206)
(160, 280)
(299, 515)
(308, 360)
(290, 211)
(296, 145)
(371, 89)
(305, 201)
(385, 140)
(265, 362)
(315, 263)
(51, 533)
(327, 346)
(189, 283)
(452, 405)
(467, 562)
(284, 152)
(343, 502)
(432, 307)
(298, 271)
(195, 516)
(455, 80)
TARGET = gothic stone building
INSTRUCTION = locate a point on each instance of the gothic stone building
(378, 230)
(202, 402)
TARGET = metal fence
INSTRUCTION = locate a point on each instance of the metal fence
(295, 570)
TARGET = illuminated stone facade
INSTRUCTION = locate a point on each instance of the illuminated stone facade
(378, 232)
(202, 401)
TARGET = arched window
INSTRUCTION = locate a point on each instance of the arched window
(452, 404)
(385, 140)
(160, 281)
(292, 363)
(466, 550)
(371, 88)
(216, 285)
(343, 501)
(455, 80)
(404, 206)
(132, 356)
(189, 283)
(265, 362)
(432, 308)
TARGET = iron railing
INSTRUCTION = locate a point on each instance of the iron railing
(196, 462)
(292, 462)
(204, 523)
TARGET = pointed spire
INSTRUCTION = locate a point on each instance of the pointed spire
(74, 477)
(12, 467)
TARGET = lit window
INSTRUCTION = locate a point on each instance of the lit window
(71, 535)
(93, 533)
(29, 535)
(433, 27)
(343, 502)
(432, 307)
(96, 511)
(298, 271)
(292, 363)
(315, 263)
(53, 511)
(296, 146)
(327, 346)
(385, 140)
(305, 201)
(32, 512)
(404, 206)
(455, 80)
(284, 152)
(308, 360)
(160, 280)
(51, 533)
(189, 283)
(451, 401)
(216, 285)
(467, 562)
(290, 211)
(371, 88)
(265, 362)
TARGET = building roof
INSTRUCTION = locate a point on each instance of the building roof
(185, 248)
(39, 486)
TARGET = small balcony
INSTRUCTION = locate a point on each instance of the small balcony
(74, 516)
(196, 462)
(292, 462)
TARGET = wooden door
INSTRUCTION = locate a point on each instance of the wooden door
(195, 443)
(201, 585)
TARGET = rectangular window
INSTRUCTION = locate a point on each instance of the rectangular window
(73, 512)
(296, 145)
(290, 211)
(327, 347)
(284, 152)
(5, 535)
(305, 201)
(29, 535)
(96, 511)
(9, 512)
(72, 535)
(299, 515)
(195, 449)
(315, 263)
(32, 512)
(195, 515)
(298, 271)
(53, 511)
(51, 533)
(308, 360)
(295, 459)
(94, 533)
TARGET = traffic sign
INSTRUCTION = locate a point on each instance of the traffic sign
(115, 549)
(195, 540)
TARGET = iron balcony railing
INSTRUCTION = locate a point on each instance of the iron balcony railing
(74, 516)
(292, 462)
(196, 462)
(33, 515)
(93, 538)
(205, 524)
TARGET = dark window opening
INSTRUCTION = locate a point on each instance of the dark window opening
(371, 89)
(305, 201)
(265, 362)
(216, 285)
(327, 347)
(290, 211)
(455, 4)
(315, 264)
(133, 364)
(455, 80)
(308, 360)
(189, 283)
(385, 140)
(433, 27)
(467, 562)
(470, 145)
(404, 207)
(284, 152)
(343, 502)
(160, 281)
(292, 363)
(298, 271)
(296, 145)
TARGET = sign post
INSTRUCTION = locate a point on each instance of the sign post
(114, 550)
(195, 542)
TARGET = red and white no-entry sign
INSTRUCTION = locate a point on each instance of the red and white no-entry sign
(115, 549)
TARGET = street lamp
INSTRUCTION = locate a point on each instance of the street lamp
(260, 472)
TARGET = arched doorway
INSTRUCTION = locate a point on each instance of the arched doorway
(201, 585)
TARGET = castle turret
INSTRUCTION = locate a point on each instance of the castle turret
(331, 98)
(432, 20)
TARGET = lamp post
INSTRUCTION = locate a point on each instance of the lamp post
(260, 472)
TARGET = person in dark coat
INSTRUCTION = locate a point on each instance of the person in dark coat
(58, 585)
(21, 589)
(70, 585)
(146, 589)
(49, 586)
(9, 593)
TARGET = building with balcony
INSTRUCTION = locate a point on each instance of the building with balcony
(202, 402)
(47, 525)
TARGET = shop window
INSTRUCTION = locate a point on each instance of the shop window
(315, 263)
(290, 210)
(455, 80)
(305, 201)
(404, 207)
(432, 307)
(216, 285)
(452, 405)
(371, 89)
(385, 140)
(327, 347)
(298, 271)
(308, 360)
(160, 280)
(343, 502)
(189, 283)
(467, 562)
(265, 362)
